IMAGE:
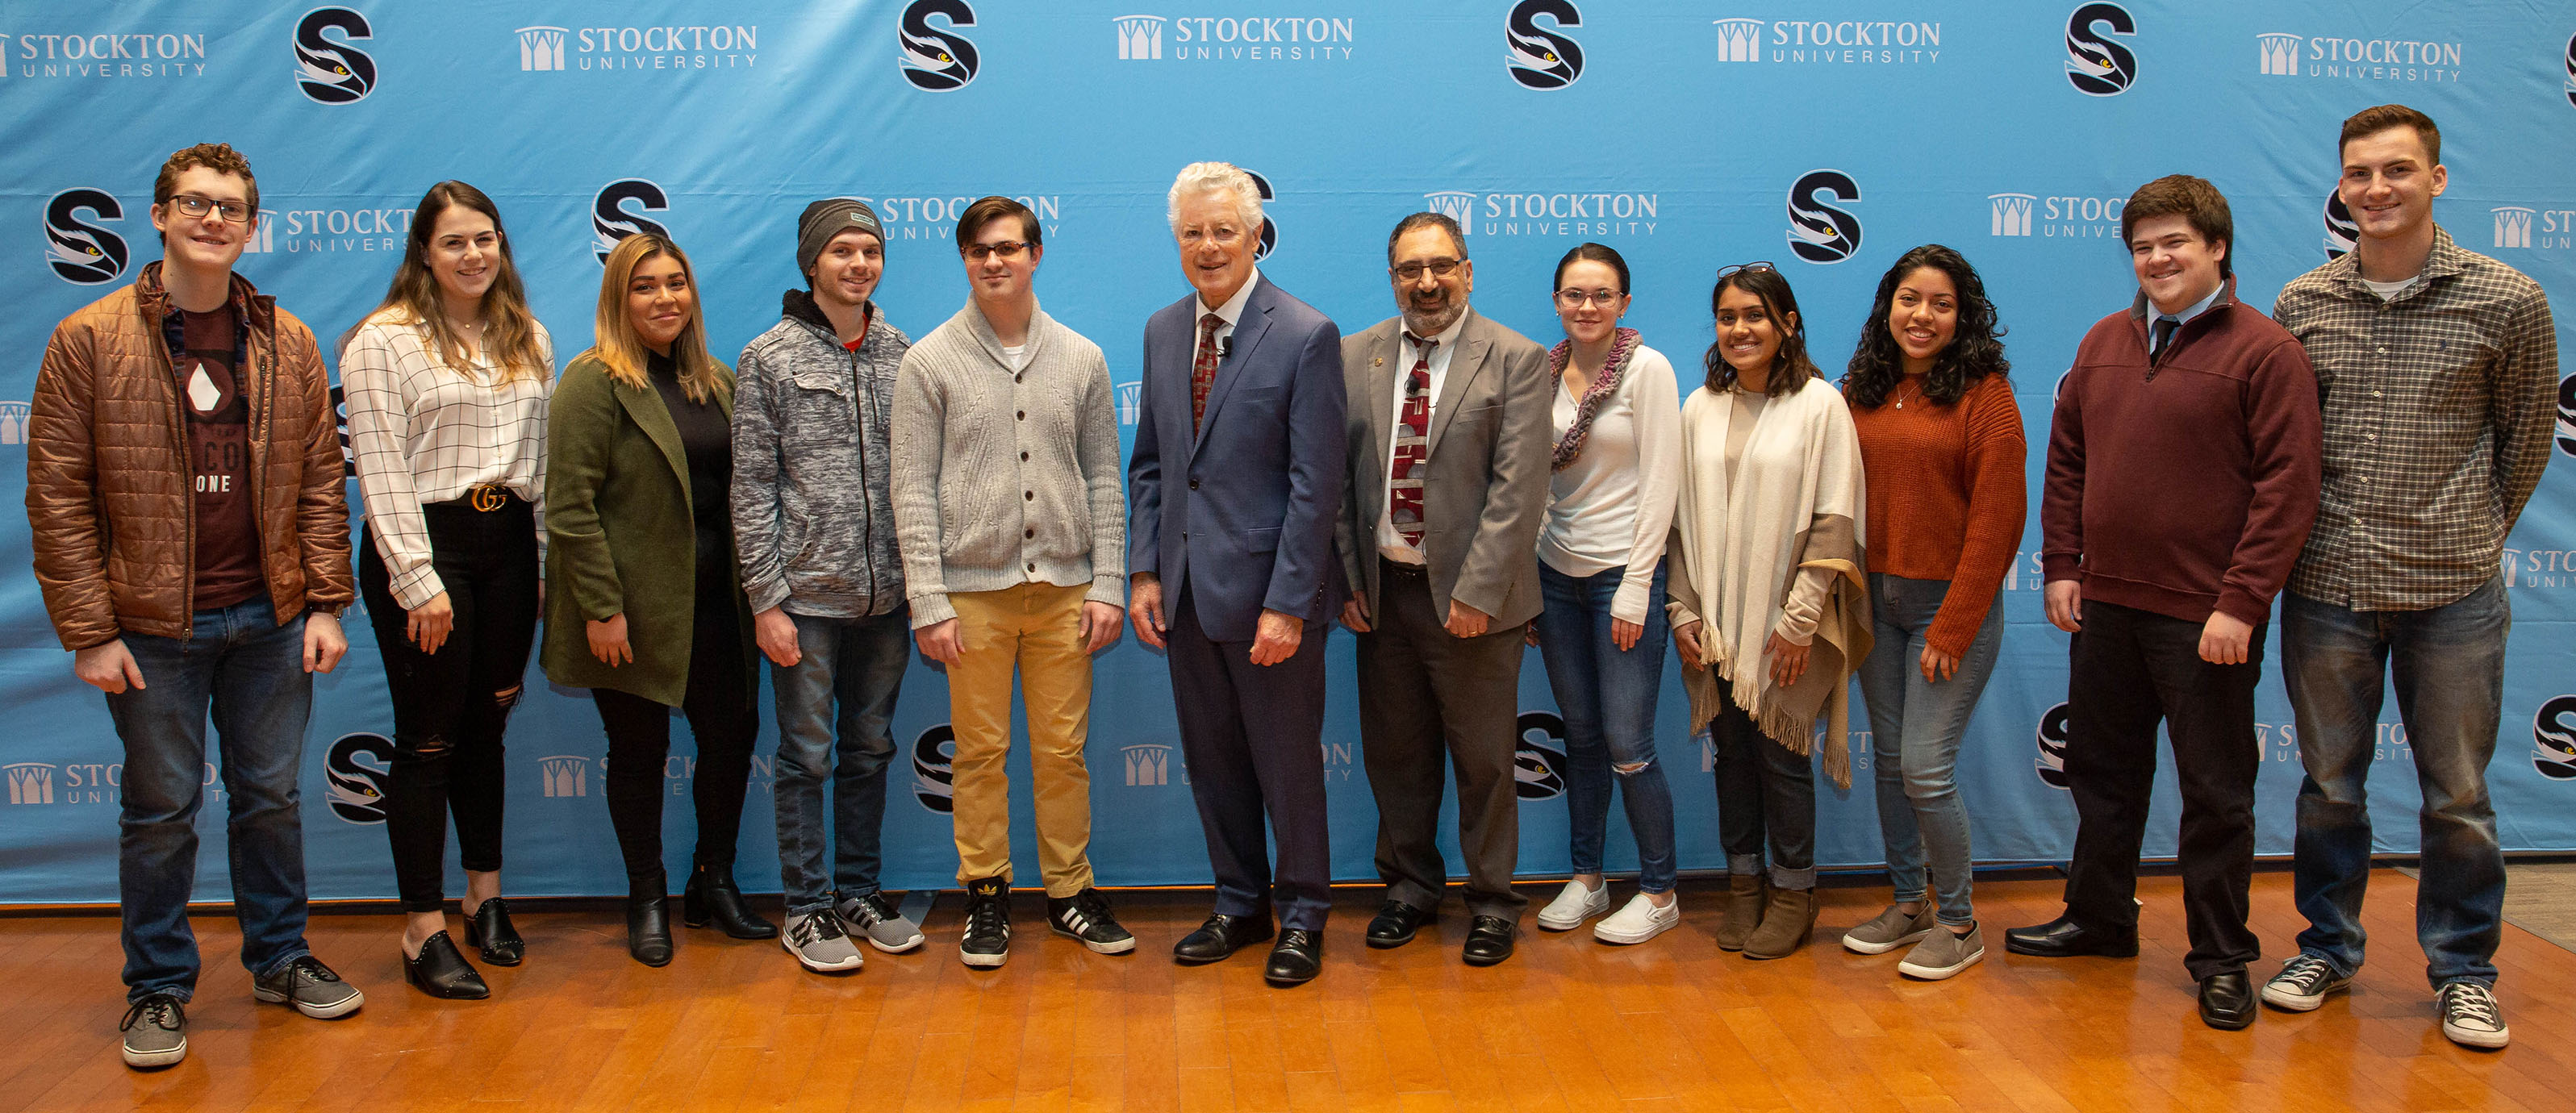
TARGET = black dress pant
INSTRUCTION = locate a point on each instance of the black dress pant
(1252, 738)
(450, 707)
(2129, 669)
(724, 719)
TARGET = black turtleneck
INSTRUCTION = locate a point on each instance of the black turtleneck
(707, 439)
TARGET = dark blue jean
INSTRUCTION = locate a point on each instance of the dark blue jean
(835, 720)
(1915, 726)
(248, 671)
(1607, 697)
(2447, 663)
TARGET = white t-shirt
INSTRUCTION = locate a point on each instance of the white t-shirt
(1613, 506)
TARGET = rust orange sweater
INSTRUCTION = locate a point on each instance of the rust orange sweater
(1947, 496)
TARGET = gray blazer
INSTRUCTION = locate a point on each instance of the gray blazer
(1486, 495)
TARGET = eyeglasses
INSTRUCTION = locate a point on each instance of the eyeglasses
(1762, 265)
(1008, 249)
(1577, 299)
(1439, 268)
(191, 205)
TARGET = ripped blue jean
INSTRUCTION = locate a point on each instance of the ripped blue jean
(1607, 696)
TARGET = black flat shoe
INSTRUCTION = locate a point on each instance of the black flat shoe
(1489, 940)
(1395, 924)
(1297, 958)
(2061, 938)
(648, 928)
(2227, 1001)
(440, 971)
(711, 898)
(488, 930)
(1219, 937)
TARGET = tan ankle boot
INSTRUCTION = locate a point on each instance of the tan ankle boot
(1786, 923)
(1742, 911)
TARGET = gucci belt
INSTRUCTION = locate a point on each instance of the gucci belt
(488, 497)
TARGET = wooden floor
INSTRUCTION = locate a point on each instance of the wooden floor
(1566, 1025)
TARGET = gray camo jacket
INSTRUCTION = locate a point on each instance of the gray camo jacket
(812, 517)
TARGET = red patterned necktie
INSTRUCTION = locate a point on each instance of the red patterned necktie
(1203, 370)
(1412, 447)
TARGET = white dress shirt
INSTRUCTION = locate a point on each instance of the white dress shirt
(1231, 313)
(1391, 544)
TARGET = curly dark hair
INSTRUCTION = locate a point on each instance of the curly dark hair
(1790, 367)
(1975, 351)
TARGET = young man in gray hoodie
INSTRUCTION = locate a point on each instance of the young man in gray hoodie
(813, 521)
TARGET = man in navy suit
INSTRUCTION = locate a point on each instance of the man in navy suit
(1231, 495)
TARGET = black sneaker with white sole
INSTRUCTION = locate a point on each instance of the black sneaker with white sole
(1085, 916)
(2470, 1016)
(156, 1032)
(2303, 983)
(988, 923)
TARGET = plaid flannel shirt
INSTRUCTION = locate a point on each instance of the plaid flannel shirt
(2438, 406)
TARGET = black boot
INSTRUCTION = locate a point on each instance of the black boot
(648, 921)
(712, 898)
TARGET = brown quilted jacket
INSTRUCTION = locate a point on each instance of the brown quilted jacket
(108, 494)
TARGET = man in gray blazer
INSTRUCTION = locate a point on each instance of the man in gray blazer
(1448, 419)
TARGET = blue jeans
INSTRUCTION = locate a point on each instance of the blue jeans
(1915, 727)
(1607, 697)
(249, 671)
(838, 700)
(2448, 666)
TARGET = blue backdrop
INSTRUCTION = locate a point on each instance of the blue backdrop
(1829, 137)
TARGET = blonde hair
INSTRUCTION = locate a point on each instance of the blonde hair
(414, 297)
(621, 349)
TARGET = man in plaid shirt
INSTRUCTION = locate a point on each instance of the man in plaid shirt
(2435, 368)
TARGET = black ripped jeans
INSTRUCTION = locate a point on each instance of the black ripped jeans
(451, 706)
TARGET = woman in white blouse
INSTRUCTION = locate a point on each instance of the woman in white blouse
(447, 384)
(1617, 421)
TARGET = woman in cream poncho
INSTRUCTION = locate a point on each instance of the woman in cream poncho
(1769, 610)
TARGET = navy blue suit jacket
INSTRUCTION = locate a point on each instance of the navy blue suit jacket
(1242, 512)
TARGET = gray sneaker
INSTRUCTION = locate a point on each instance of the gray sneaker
(875, 919)
(2303, 983)
(309, 986)
(1889, 930)
(156, 1032)
(816, 939)
(1943, 953)
(2470, 1017)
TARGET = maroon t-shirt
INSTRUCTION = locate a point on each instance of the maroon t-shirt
(218, 420)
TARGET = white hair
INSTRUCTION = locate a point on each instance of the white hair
(1216, 177)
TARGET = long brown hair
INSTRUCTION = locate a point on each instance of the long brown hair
(621, 349)
(414, 297)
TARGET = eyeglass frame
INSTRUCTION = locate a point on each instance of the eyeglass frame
(1725, 273)
(1602, 298)
(1007, 249)
(179, 203)
(1433, 266)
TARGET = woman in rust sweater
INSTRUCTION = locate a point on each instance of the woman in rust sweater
(1941, 442)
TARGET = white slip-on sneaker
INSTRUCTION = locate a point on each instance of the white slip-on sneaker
(1639, 920)
(1573, 905)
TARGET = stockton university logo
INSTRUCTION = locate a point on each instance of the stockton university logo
(610, 221)
(331, 72)
(2096, 65)
(1739, 40)
(81, 251)
(2566, 414)
(13, 422)
(934, 60)
(263, 234)
(2513, 225)
(1534, 213)
(2285, 54)
(1538, 762)
(1140, 38)
(934, 779)
(1819, 232)
(2553, 742)
(564, 775)
(2011, 213)
(1269, 228)
(1131, 403)
(2279, 53)
(2571, 70)
(2342, 233)
(2052, 747)
(357, 789)
(1149, 765)
(30, 782)
(541, 49)
(1538, 58)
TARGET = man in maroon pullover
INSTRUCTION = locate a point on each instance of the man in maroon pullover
(2182, 479)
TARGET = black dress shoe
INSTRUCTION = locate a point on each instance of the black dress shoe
(440, 971)
(488, 930)
(2227, 1001)
(1489, 940)
(711, 898)
(1220, 936)
(1395, 924)
(648, 927)
(2061, 938)
(1297, 958)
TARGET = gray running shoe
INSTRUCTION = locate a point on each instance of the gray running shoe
(875, 919)
(309, 986)
(1889, 930)
(156, 1032)
(1943, 953)
(816, 939)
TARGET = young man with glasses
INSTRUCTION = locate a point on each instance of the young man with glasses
(1013, 533)
(181, 588)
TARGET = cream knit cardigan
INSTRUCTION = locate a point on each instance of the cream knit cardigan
(1796, 502)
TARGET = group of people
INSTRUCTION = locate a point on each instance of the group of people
(1441, 486)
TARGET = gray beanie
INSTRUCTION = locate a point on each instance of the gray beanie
(828, 218)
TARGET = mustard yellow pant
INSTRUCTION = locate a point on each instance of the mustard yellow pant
(1036, 628)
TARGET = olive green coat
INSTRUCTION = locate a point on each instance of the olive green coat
(621, 538)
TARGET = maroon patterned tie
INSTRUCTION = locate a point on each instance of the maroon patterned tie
(1203, 370)
(1412, 447)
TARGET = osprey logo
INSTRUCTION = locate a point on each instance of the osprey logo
(84, 254)
(610, 222)
(2566, 416)
(13, 422)
(2011, 216)
(2553, 743)
(2342, 234)
(357, 791)
(541, 48)
(2280, 53)
(1269, 229)
(2095, 65)
(933, 778)
(1541, 59)
(1140, 38)
(937, 61)
(1149, 765)
(333, 72)
(2513, 225)
(1739, 40)
(1818, 232)
(2052, 747)
(2571, 69)
(30, 782)
(1538, 762)
(564, 775)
